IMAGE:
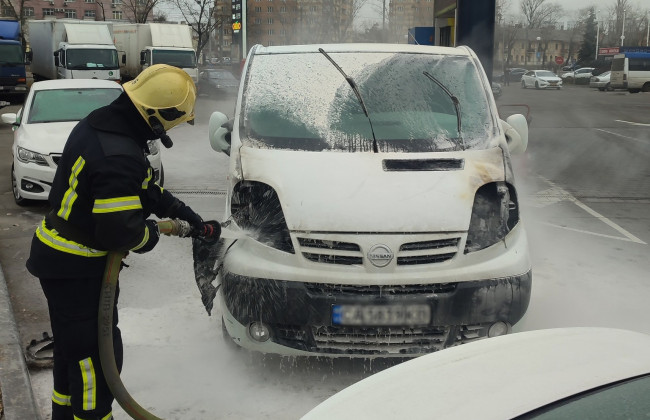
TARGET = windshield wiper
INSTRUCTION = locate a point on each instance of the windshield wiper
(354, 87)
(454, 99)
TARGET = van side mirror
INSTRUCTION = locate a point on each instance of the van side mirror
(57, 62)
(123, 58)
(516, 132)
(143, 58)
(219, 129)
(29, 56)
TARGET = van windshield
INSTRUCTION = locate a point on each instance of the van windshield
(312, 106)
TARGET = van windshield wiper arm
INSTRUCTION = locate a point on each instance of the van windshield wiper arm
(454, 99)
(355, 89)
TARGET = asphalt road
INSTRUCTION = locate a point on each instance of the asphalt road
(584, 186)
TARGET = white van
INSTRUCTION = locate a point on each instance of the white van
(631, 71)
(373, 188)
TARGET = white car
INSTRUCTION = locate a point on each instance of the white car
(41, 128)
(601, 82)
(378, 212)
(565, 373)
(581, 75)
(541, 79)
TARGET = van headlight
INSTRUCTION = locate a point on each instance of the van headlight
(494, 213)
(256, 208)
(27, 156)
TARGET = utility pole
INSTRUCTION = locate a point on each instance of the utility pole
(597, 34)
(623, 32)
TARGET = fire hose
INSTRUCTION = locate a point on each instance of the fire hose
(178, 228)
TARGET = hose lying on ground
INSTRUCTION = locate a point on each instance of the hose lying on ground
(105, 324)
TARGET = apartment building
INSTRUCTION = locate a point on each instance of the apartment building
(72, 9)
(405, 14)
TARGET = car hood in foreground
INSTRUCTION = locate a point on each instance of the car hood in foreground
(344, 192)
(45, 138)
(497, 378)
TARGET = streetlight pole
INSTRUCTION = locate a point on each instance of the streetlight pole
(647, 34)
(537, 54)
(623, 32)
(597, 34)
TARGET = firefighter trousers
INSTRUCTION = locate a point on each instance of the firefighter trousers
(80, 390)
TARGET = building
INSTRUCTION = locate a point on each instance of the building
(405, 14)
(285, 22)
(72, 9)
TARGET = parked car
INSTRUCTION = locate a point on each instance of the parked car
(579, 76)
(373, 201)
(515, 74)
(41, 128)
(541, 79)
(496, 90)
(601, 82)
(565, 373)
(220, 81)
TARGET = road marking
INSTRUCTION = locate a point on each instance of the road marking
(633, 123)
(620, 135)
(592, 233)
(567, 196)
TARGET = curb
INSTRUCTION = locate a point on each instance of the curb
(17, 394)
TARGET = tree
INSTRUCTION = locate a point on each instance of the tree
(198, 14)
(587, 52)
(139, 11)
(539, 13)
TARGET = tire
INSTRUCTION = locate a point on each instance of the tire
(646, 87)
(19, 199)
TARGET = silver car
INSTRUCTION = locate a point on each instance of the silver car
(601, 82)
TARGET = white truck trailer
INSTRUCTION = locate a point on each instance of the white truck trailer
(73, 49)
(143, 44)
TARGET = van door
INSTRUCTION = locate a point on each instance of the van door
(618, 76)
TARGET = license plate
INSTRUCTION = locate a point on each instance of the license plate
(371, 315)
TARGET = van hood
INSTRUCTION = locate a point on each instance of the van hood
(374, 192)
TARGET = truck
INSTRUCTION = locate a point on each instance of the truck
(73, 49)
(143, 44)
(13, 78)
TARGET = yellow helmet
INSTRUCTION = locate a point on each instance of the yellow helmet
(164, 95)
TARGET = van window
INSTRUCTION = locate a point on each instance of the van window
(639, 64)
(312, 106)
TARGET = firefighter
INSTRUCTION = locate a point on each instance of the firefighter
(102, 194)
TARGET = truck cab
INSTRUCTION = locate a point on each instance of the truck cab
(184, 58)
(13, 80)
(87, 61)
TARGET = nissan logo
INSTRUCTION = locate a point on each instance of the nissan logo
(380, 255)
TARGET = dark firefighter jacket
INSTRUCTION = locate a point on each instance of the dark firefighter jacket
(101, 195)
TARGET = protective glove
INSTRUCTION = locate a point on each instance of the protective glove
(210, 231)
(186, 213)
(154, 236)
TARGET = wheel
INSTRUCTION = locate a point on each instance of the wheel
(602, 89)
(19, 199)
(523, 84)
(536, 85)
(608, 87)
(646, 87)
